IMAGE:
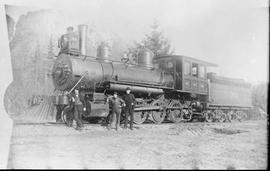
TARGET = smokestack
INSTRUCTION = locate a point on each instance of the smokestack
(82, 38)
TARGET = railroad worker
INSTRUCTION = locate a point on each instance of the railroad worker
(70, 114)
(58, 114)
(59, 109)
(129, 101)
(64, 42)
(115, 104)
(78, 108)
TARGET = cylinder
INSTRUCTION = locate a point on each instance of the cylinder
(145, 58)
(82, 29)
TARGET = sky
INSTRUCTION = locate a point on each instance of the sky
(231, 33)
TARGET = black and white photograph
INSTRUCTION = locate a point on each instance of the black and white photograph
(134, 84)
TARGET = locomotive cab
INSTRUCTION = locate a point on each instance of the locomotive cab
(190, 74)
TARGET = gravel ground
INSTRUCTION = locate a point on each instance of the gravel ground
(166, 146)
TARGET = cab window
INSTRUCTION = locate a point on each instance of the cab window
(194, 70)
(166, 65)
(202, 72)
(162, 65)
(187, 68)
(169, 64)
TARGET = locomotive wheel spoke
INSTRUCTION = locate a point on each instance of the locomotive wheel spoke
(139, 117)
(227, 116)
(244, 115)
(222, 118)
(158, 116)
(240, 116)
(187, 115)
(220, 115)
(232, 116)
(175, 115)
(209, 117)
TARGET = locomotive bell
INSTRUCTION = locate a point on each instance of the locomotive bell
(82, 38)
(145, 58)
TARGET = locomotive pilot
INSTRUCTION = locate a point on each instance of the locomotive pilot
(129, 101)
(115, 104)
(78, 108)
(65, 40)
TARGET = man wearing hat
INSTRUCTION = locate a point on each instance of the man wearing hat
(129, 101)
(78, 108)
(64, 42)
(115, 104)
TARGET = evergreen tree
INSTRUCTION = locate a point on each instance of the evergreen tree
(259, 96)
(155, 41)
(51, 48)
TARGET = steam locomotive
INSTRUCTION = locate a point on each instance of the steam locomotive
(175, 88)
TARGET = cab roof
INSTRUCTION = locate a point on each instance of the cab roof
(182, 57)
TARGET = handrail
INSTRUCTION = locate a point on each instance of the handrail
(78, 82)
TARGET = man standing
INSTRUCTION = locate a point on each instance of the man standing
(129, 101)
(78, 108)
(58, 113)
(115, 104)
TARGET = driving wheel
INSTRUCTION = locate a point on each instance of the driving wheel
(158, 116)
(209, 116)
(175, 115)
(139, 117)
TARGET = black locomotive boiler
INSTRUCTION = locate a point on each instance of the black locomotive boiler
(174, 87)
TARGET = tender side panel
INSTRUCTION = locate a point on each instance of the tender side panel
(230, 93)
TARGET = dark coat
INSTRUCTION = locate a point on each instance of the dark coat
(129, 99)
(115, 103)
